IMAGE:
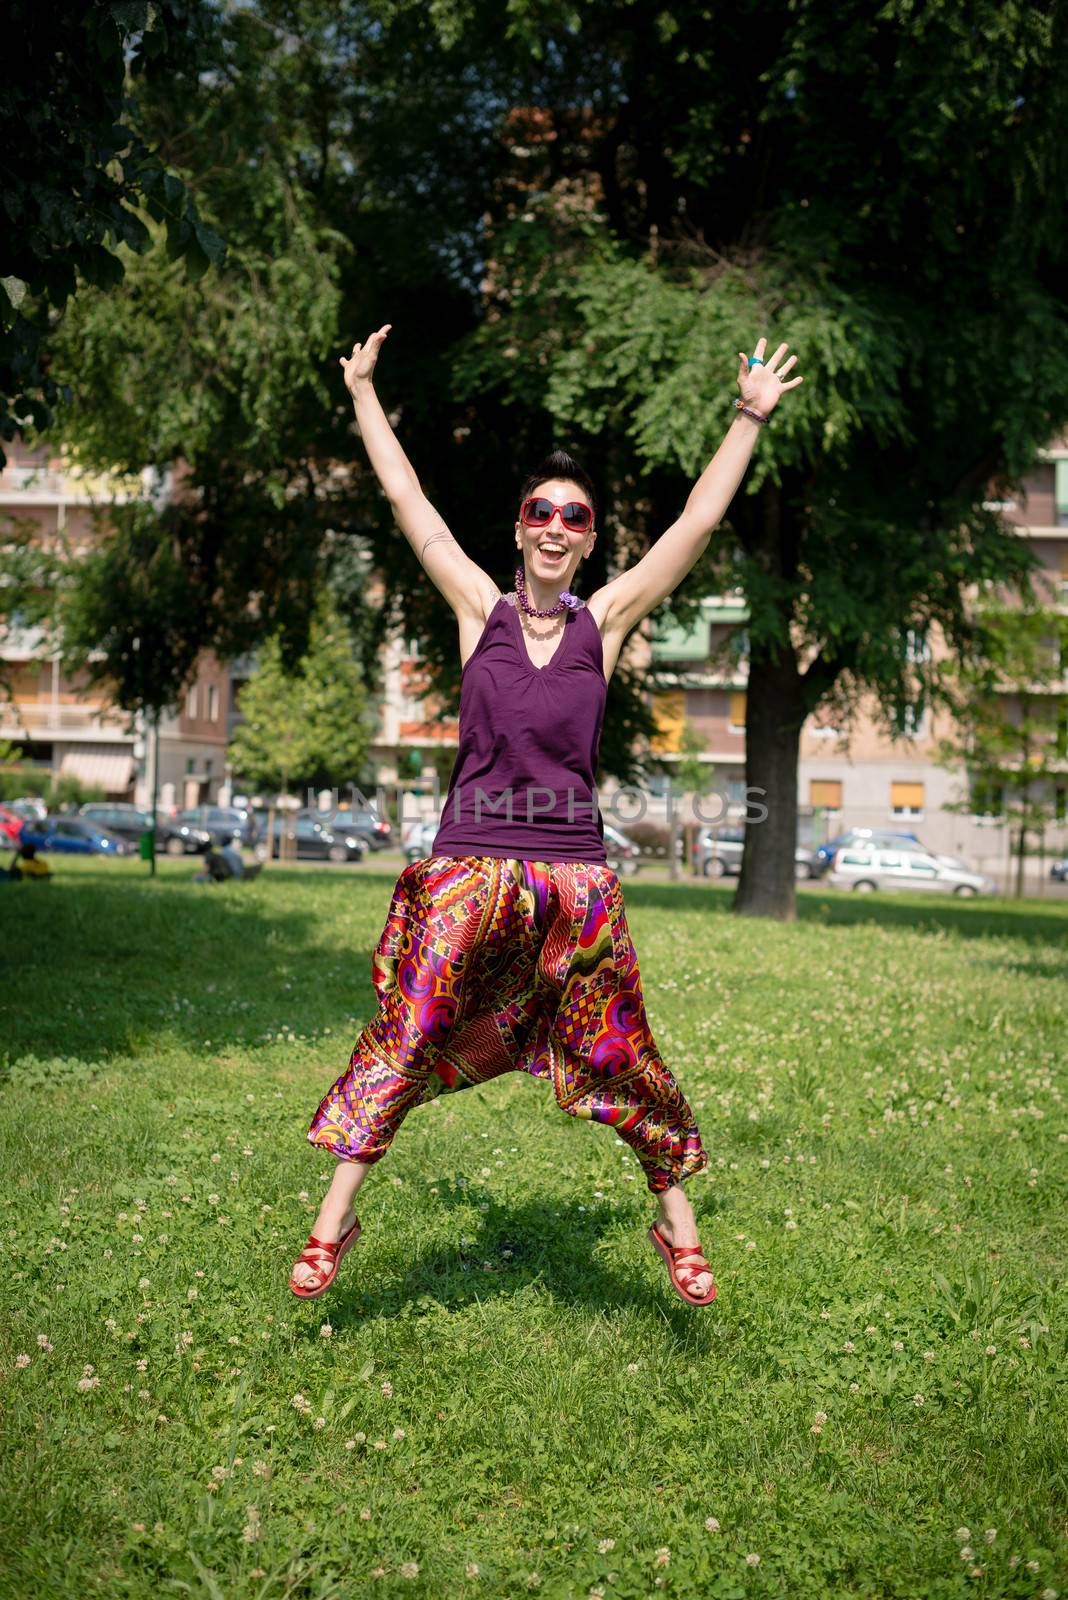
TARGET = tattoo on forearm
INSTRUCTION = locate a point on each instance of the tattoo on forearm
(442, 533)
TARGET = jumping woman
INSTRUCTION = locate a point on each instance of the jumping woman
(508, 948)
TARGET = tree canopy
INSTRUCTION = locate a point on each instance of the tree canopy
(574, 221)
(76, 172)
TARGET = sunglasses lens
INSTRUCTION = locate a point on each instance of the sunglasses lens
(576, 517)
(539, 512)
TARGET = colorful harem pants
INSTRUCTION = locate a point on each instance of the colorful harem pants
(488, 966)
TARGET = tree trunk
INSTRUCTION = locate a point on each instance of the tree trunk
(773, 719)
(1020, 860)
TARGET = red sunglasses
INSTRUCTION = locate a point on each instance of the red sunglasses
(576, 515)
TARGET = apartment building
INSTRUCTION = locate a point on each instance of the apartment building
(60, 722)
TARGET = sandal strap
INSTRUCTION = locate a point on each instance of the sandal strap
(323, 1244)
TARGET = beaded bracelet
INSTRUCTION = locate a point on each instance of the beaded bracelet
(748, 412)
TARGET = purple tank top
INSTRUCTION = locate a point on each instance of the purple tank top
(523, 781)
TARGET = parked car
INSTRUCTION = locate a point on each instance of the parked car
(317, 842)
(1059, 870)
(29, 808)
(718, 854)
(624, 856)
(864, 869)
(74, 836)
(419, 839)
(10, 824)
(878, 838)
(364, 820)
(222, 823)
(130, 822)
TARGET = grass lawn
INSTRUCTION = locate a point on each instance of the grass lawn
(502, 1396)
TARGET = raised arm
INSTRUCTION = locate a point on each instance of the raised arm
(469, 591)
(630, 597)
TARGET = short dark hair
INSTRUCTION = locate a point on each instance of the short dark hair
(559, 464)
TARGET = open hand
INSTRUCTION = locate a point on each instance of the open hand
(761, 387)
(361, 364)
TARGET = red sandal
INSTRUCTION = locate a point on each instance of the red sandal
(333, 1251)
(683, 1273)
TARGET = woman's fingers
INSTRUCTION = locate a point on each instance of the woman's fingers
(777, 357)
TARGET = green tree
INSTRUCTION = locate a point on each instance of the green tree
(880, 194)
(75, 170)
(307, 723)
(1011, 731)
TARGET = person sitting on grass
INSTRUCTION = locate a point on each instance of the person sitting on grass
(27, 864)
(215, 868)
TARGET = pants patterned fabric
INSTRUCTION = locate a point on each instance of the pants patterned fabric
(487, 966)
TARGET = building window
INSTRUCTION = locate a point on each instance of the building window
(988, 797)
(213, 703)
(906, 799)
(825, 793)
(736, 791)
(1060, 492)
(916, 645)
(736, 714)
(910, 722)
(191, 701)
(738, 644)
(669, 712)
(207, 767)
(188, 766)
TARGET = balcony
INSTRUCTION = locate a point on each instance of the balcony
(44, 719)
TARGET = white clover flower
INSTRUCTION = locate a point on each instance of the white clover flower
(663, 1556)
(966, 1552)
(22, 1360)
(326, 1331)
(752, 1560)
(963, 1534)
(712, 1524)
(991, 1350)
(409, 1569)
(472, 1569)
(604, 1545)
(398, 1433)
(917, 1400)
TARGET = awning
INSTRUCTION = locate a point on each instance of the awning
(109, 770)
